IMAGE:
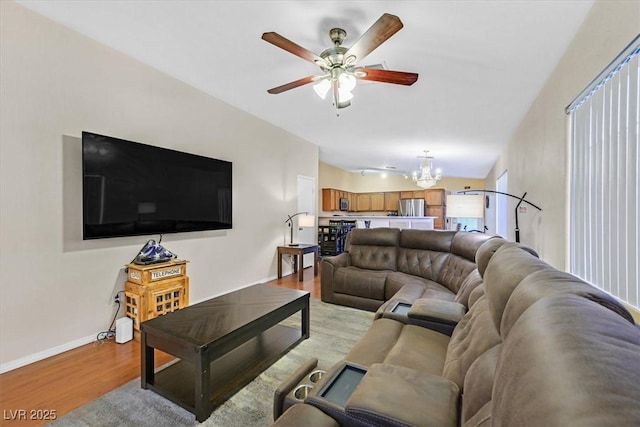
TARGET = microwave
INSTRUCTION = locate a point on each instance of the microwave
(344, 204)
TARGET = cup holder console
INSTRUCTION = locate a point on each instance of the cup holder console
(298, 387)
(302, 391)
(327, 390)
(316, 375)
(401, 308)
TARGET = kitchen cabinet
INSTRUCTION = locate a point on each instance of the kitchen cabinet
(363, 202)
(391, 201)
(435, 201)
(331, 199)
(377, 202)
(435, 197)
(440, 212)
(406, 194)
(416, 194)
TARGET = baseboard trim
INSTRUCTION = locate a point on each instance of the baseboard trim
(36, 357)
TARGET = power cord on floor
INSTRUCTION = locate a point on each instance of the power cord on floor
(111, 332)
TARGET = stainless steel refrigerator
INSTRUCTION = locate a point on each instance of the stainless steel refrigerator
(411, 207)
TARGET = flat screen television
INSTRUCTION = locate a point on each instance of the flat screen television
(132, 189)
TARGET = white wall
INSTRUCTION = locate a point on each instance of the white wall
(536, 156)
(56, 289)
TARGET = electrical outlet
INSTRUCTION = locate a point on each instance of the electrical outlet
(116, 300)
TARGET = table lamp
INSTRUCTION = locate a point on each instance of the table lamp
(305, 220)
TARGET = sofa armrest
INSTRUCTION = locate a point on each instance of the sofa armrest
(399, 396)
(340, 260)
(286, 387)
(328, 267)
(441, 316)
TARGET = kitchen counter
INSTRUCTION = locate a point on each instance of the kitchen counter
(401, 222)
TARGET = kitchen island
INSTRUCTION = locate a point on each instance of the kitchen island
(401, 222)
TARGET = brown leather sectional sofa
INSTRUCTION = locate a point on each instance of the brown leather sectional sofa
(385, 264)
(537, 347)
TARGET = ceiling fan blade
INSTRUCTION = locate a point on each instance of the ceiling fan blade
(291, 47)
(386, 76)
(386, 26)
(292, 85)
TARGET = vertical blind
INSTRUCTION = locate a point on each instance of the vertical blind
(604, 168)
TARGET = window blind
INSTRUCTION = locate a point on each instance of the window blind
(604, 176)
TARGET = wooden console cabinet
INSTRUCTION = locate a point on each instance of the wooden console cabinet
(155, 289)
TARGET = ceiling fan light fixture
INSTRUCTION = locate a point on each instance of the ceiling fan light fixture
(344, 95)
(322, 88)
(347, 81)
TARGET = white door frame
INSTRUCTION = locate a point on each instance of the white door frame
(502, 205)
(306, 189)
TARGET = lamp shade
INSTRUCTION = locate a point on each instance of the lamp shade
(306, 221)
(465, 206)
(322, 87)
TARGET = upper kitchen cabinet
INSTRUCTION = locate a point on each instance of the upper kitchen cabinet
(391, 201)
(331, 199)
(363, 202)
(415, 194)
(435, 197)
(377, 202)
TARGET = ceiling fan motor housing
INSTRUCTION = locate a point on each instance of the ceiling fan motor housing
(334, 55)
(337, 35)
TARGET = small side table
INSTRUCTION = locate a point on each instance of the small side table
(298, 255)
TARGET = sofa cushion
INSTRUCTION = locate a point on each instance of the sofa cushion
(422, 288)
(392, 342)
(419, 348)
(376, 343)
(546, 282)
(472, 281)
(432, 240)
(473, 335)
(454, 271)
(482, 418)
(375, 249)
(374, 257)
(568, 361)
(486, 251)
(508, 266)
(360, 282)
(466, 244)
(397, 396)
(421, 263)
(476, 294)
(372, 237)
(478, 383)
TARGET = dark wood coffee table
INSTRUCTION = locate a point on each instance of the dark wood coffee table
(222, 343)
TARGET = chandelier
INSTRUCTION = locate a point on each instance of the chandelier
(426, 179)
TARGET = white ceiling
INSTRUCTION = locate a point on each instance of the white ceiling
(481, 65)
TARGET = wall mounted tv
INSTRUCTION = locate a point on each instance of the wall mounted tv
(132, 189)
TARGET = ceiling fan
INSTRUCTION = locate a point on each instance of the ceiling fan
(338, 63)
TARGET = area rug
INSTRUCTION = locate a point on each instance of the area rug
(334, 330)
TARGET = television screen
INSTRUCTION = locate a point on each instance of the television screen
(134, 189)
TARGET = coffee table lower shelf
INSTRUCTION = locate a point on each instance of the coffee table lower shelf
(229, 373)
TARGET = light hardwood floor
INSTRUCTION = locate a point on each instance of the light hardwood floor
(72, 379)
